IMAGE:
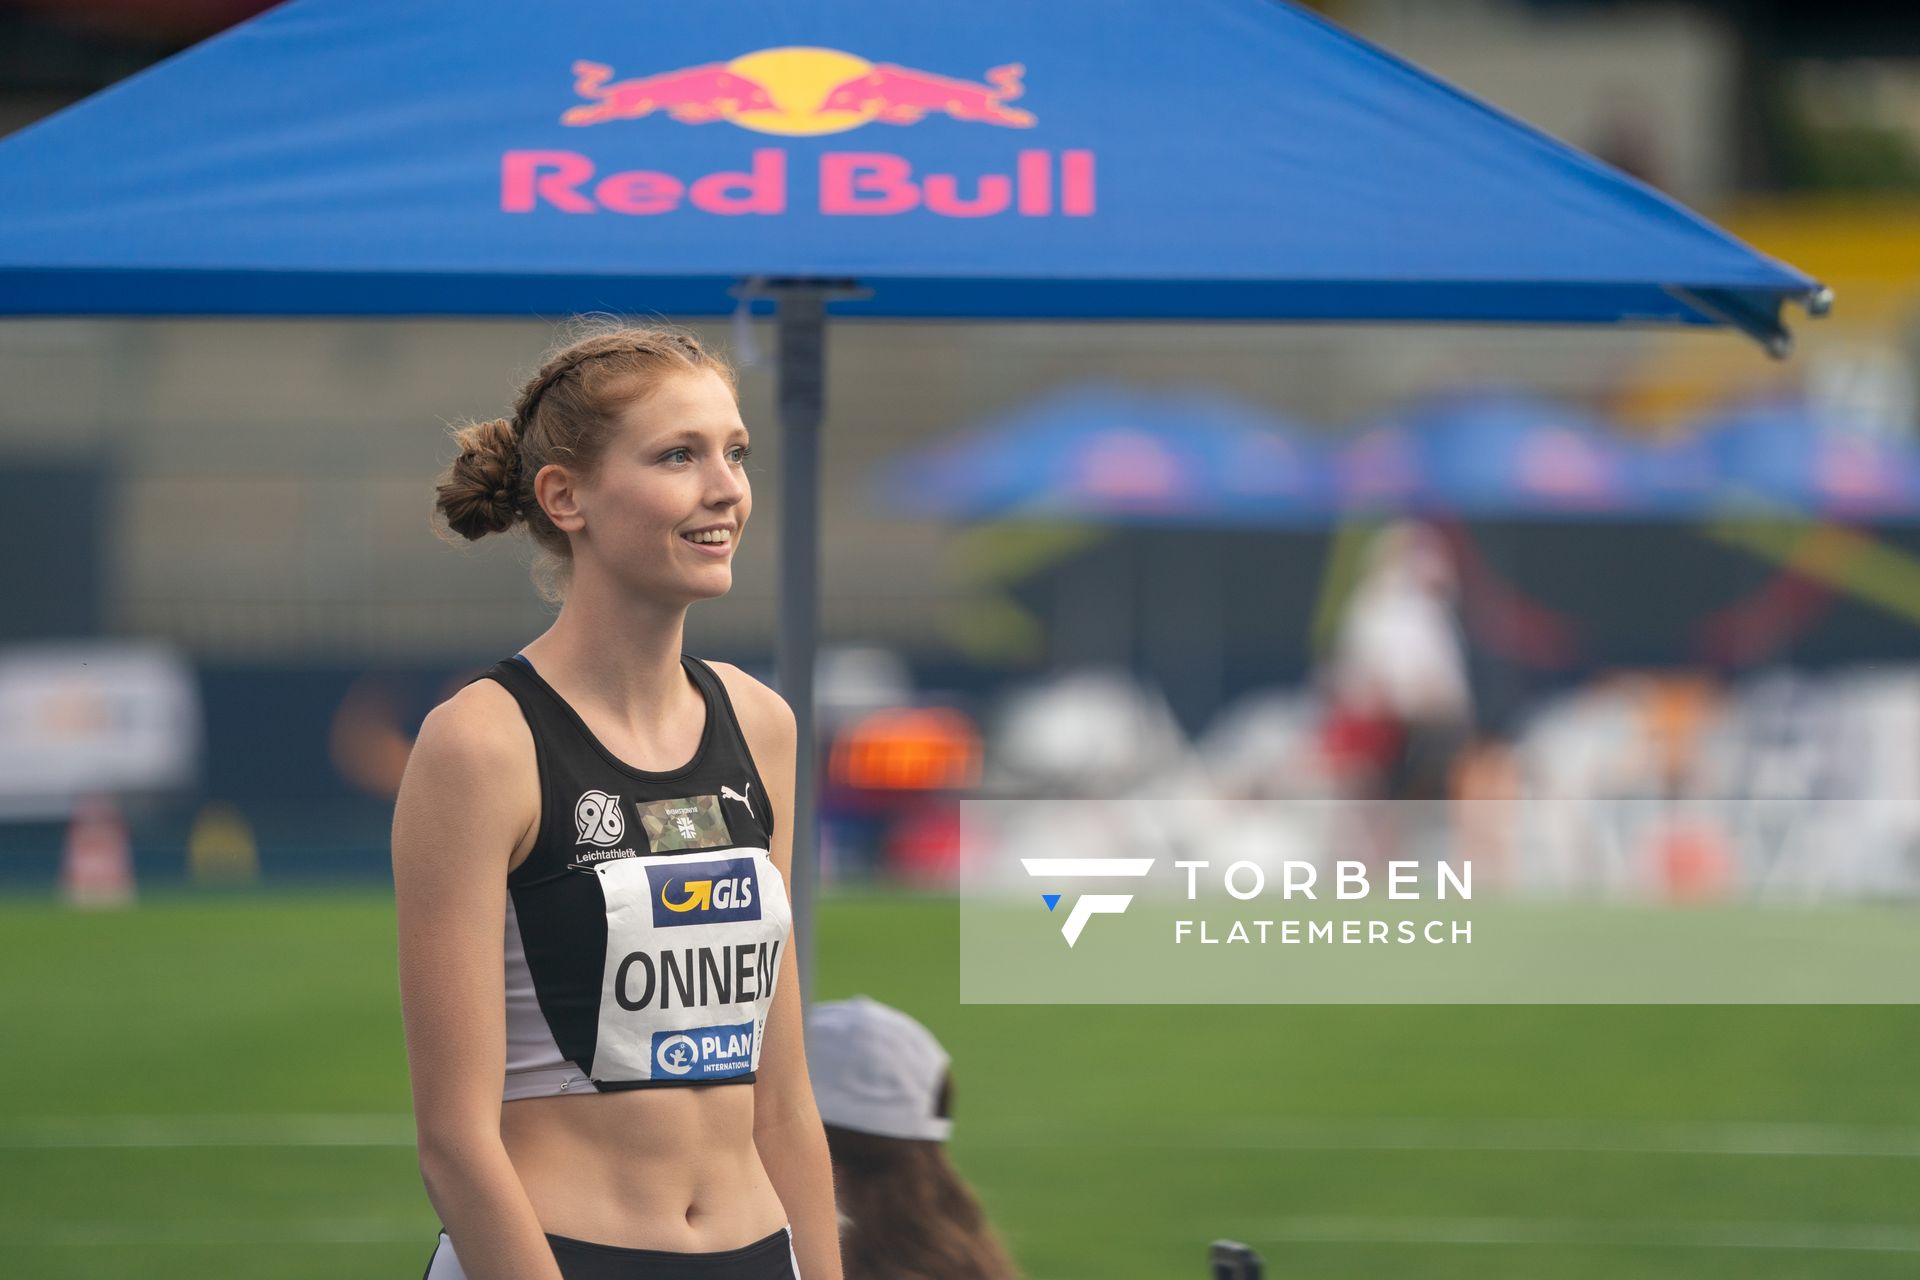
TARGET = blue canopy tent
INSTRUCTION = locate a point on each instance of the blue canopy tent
(1220, 159)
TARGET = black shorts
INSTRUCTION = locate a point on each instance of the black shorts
(770, 1258)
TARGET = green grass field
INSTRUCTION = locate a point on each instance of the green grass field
(216, 1086)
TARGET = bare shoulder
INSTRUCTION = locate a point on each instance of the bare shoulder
(472, 780)
(479, 727)
(764, 714)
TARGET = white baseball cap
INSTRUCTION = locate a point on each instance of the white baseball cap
(875, 1070)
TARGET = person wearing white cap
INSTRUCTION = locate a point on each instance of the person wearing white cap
(884, 1088)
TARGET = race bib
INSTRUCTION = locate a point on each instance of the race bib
(694, 943)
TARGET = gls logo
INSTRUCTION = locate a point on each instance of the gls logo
(704, 891)
(1090, 904)
(708, 895)
(598, 819)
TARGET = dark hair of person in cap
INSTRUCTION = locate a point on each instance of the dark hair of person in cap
(885, 1092)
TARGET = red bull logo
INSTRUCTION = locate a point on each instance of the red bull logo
(798, 91)
(795, 92)
(698, 95)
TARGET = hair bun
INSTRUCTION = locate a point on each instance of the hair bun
(481, 493)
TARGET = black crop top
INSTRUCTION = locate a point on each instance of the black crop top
(644, 930)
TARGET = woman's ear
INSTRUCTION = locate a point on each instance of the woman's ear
(555, 490)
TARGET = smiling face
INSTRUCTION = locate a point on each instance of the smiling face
(662, 511)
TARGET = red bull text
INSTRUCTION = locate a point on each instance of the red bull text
(850, 183)
(797, 92)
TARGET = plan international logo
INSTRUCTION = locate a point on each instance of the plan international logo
(704, 1052)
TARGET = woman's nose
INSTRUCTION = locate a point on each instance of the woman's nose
(730, 485)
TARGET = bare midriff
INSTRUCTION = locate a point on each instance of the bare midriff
(668, 1168)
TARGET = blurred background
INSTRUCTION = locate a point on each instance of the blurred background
(1576, 564)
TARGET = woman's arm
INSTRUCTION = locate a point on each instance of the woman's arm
(469, 797)
(786, 1123)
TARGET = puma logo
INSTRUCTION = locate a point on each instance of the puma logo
(730, 794)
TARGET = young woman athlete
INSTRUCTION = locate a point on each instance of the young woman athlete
(590, 852)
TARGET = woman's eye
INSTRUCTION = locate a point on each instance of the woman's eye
(677, 455)
(739, 452)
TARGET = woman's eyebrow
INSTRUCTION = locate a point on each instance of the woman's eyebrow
(684, 434)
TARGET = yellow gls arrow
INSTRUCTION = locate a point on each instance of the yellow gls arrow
(699, 895)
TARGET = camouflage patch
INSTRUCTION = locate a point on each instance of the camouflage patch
(693, 823)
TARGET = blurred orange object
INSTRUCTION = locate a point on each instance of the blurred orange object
(1678, 711)
(908, 749)
(366, 741)
(1487, 786)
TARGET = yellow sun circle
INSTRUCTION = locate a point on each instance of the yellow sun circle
(799, 79)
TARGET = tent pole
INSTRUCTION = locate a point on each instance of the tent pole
(801, 392)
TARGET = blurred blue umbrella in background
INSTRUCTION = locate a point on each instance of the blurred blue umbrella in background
(1110, 454)
(1209, 508)
(1784, 453)
(1488, 453)
(1559, 518)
